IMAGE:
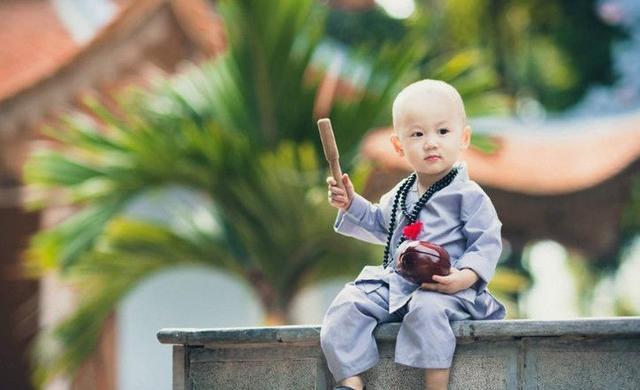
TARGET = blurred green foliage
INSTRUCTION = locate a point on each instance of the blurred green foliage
(551, 51)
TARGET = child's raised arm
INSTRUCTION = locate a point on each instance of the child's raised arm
(360, 218)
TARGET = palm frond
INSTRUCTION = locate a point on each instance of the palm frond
(62, 348)
(63, 246)
(129, 252)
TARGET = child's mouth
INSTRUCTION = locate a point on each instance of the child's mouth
(432, 158)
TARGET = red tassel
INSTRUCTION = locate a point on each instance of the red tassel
(412, 231)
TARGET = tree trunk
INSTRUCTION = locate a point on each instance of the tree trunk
(275, 305)
(276, 316)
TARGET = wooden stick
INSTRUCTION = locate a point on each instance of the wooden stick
(330, 149)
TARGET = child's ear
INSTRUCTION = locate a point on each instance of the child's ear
(466, 136)
(395, 141)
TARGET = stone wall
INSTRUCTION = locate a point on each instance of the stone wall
(516, 354)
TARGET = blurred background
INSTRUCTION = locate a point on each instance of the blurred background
(160, 164)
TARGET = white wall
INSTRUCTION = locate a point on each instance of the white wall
(194, 298)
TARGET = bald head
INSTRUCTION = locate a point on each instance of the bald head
(423, 93)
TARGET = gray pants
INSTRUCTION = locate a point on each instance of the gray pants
(425, 339)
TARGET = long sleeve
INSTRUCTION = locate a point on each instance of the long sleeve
(482, 231)
(366, 221)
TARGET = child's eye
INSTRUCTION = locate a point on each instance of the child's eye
(416, 134)
(443, 131)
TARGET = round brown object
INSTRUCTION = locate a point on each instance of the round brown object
(421, 260)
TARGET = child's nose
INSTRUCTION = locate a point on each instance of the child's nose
(430, 142)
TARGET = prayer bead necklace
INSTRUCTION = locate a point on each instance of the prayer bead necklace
(401, 197)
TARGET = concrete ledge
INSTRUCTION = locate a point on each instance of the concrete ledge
(514, 354)
(388, 332)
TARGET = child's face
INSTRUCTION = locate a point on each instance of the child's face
(430, 133)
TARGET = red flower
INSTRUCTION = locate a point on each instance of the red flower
(411, 231)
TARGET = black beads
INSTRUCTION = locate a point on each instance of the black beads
(435, 187)
(400, 199)
(404, 188)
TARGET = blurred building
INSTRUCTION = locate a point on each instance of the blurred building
(52, 53)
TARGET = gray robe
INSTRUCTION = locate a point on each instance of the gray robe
(460, 218)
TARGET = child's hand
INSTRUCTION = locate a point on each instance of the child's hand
(338, 197)
(456, 281)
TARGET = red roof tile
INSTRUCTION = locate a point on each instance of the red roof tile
(34, 42)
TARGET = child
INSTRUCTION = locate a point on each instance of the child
(430, 132)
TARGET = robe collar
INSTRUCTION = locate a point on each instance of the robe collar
(462, 176)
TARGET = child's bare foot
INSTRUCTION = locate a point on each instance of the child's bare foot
(354, 382)
(436, 379)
